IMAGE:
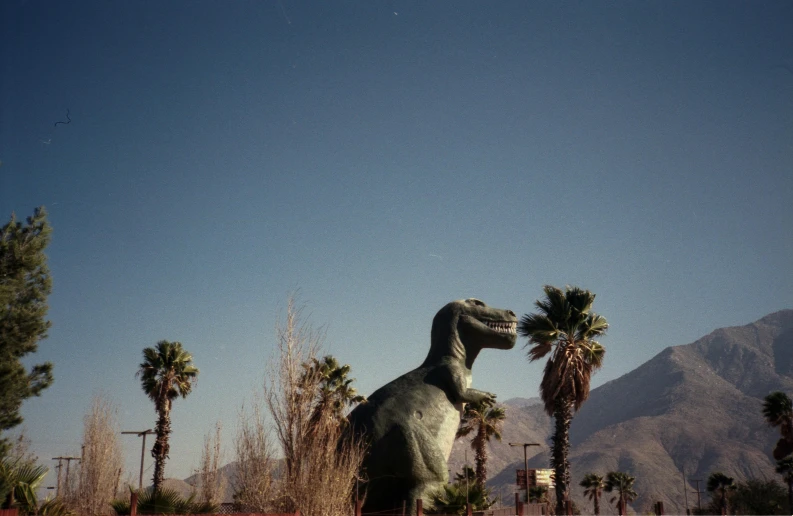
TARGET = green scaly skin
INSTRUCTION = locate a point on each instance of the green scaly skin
(410, 423)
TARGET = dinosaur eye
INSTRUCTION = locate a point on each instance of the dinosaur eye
(475, 302)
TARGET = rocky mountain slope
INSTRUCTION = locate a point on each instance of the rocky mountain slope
(693, 408)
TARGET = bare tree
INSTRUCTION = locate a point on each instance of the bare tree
(211, 485)
(20, 449)
(253, 478)
(100, 469)
(321, 460)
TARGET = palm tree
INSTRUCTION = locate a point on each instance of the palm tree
(593, 485)
(486, 421)
(565, 327)
(452, 499)
(335, 390)
(622, 483)
(19, 481)
(785, 468)
(778, 411)
(721, 483)
(465, 477)
(165, 373)
(538, 494)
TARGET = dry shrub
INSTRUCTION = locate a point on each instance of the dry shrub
(211, 485)
(99, 473)
(321, 463)
(253, 477)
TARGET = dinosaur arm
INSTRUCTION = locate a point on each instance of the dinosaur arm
(456, 382)
(476, 396)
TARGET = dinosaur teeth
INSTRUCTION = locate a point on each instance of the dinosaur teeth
(502, 327)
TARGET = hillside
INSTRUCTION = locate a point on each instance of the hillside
(696, 406)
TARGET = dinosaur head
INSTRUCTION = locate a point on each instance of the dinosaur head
(465, 327)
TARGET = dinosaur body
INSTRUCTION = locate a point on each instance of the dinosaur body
(411, 422)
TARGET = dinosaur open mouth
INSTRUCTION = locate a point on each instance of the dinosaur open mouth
(502, 326)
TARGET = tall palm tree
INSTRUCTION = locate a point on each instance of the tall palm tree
(593, 485)
(487, 421)
(785, 468)
(622, 483)
(336, 392)
(778, 411)
(166, 372)
(719, 483)
(566, 328)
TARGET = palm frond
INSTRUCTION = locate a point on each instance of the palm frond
(580, 300)
(463, 431)
(777, 408)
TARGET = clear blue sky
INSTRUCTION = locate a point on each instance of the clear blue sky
(386, 157)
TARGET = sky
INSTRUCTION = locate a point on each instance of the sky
(385, 158)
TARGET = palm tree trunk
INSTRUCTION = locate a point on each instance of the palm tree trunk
(597, 505)
(790, 492)
(560, 449)
(481, 457)
(161, 447)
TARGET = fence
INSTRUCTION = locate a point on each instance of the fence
(522, 509)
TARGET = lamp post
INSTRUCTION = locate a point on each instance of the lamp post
(526, 462)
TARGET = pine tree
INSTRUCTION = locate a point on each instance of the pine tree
(24, 286)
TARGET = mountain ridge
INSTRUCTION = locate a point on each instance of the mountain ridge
(695, 407)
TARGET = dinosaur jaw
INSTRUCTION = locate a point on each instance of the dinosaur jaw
(503, 326)
(491, 333)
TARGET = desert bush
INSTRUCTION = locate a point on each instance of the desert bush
(253, 478)
(99, 472)
(164, 501)
(210, 484)
(321, 459)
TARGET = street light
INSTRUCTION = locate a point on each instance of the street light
(526, 462)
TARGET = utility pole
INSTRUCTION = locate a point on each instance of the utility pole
(698, 480)
(68, 462)
(143, 434)
(526, 462)
(465, 469)
(685, 488)
(58, 482)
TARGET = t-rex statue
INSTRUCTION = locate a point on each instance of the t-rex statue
(410, 423)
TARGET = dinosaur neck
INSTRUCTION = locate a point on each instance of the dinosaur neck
(448, 344)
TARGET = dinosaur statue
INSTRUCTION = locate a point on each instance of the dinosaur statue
(410, 423)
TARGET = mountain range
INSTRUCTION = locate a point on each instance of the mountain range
(689, 411)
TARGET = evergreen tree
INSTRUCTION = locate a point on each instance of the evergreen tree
(755, 496)
(24, 286)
